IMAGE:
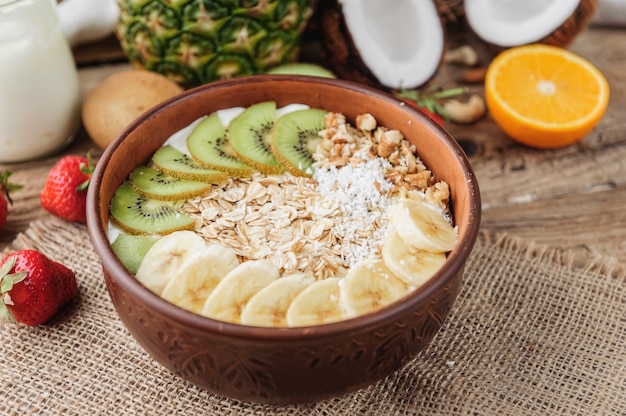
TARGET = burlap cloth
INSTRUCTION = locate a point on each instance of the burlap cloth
(529, 334)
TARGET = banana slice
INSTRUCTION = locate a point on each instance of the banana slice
(411, 265)
(192, 284)
(269, 306)
(422, 227)
(231, 295)
(166, 257)
(369, 286)
(318, 304)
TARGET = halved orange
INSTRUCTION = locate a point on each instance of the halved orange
(545, 96)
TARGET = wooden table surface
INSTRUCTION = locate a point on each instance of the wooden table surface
(572, 198)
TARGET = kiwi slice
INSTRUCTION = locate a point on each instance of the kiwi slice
(175, 163)
(136, 214)
(131, 249)
(208, 145)
(295, 139)
(152, 183)
(250, 135)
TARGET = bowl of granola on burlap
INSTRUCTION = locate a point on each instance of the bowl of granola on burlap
(280, 238)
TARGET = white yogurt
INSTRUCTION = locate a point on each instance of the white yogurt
(178, 140)
(39, 89)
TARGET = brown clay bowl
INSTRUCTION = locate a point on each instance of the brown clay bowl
(274, 365)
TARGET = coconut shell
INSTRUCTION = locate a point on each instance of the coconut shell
(342, 53)
(572, 27)
(450, 11)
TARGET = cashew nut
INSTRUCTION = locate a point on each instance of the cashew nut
(366, 122)
(463, 55)
(466, 112)
(473, 75)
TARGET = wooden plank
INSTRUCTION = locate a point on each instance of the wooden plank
(589, 224)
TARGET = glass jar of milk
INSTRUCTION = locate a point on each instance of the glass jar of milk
(39, 90)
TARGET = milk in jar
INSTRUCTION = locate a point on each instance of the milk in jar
(39, 90)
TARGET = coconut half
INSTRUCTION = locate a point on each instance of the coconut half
(509, 23)
(398, 44)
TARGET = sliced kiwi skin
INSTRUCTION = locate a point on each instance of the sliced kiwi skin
(152, 183)
(131, 249)
(250, 137)
(171, 161)
(295, 139)
(137, 214)
(209, 146)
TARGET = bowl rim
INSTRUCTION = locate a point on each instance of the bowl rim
(127, 282)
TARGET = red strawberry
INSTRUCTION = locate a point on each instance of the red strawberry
(33, 287)
(5, 195)
(65, 191)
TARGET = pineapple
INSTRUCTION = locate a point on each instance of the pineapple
(194, 42)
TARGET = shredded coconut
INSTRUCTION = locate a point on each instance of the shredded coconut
(361, 194)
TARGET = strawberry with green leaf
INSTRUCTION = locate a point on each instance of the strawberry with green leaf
(33, 287)
(5, 195)
(65, 191)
